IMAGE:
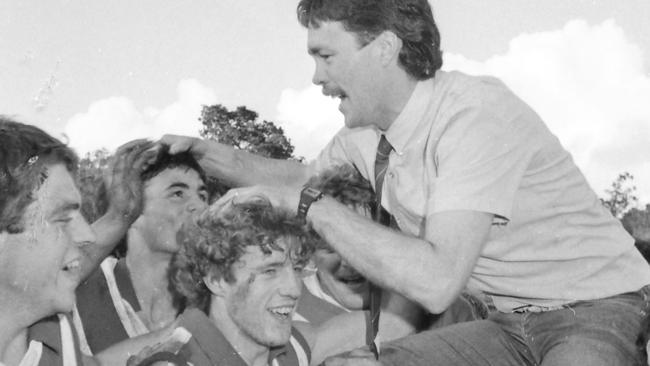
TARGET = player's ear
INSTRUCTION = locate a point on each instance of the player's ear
(388, 45)
(216, 284)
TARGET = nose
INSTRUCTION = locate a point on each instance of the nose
(346, 265)
(319, 74)
(291, 284)
(196, 204)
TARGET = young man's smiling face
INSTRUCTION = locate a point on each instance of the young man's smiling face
(347, 71)
(340, 280)
(263, 297)
(170, 198)
(40, 266)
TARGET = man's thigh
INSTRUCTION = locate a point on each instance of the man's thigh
(582, 351)
(604, 332)
(480, 342)
(464, 309)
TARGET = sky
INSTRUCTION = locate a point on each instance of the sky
(100, 73)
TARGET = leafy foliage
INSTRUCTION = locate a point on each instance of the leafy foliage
(621, 196)
(94, 202)
(242, 129)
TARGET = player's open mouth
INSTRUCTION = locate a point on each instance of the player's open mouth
(352, 280)
(72, 270)
(72, 266)
(282, 312)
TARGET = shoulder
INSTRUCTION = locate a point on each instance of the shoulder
(316, 310)
(298, 351)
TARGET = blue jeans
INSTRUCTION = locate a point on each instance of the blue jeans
(597, 332)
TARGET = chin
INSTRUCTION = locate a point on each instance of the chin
(64, 304)
(353, 304)
(278, 339)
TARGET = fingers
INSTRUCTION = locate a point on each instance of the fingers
(138, 144)
(135, 156)
(178, 144)
(178, 339)
(146, 158)
(224, 201)
(237, 196)
(351, 359)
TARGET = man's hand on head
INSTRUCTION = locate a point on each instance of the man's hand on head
(178, 144)
(283, 197)
(123, 179)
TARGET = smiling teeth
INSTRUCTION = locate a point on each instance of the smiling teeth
(283, 311)
(73, 265)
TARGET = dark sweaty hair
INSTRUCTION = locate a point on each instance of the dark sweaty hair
(25, 152)
(411, 20)
(217, 240)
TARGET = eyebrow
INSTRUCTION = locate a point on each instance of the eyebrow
(178, 185)
(65, 207)
(274, 264)
(202, 187)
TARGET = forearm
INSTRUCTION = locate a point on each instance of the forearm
(428, 273)
(239, 168)
(109, 230)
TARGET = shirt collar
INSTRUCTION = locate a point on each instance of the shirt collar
(406, 123)
(47, 332)
(213, 343)
(125, 285)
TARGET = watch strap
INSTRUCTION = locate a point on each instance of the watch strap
(308, 195)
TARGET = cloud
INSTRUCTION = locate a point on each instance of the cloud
(309, 119)
(113, 121)
(588, 84)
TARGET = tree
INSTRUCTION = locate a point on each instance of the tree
(242, 129)
(91, 184)
(637, 223)
(621, 196)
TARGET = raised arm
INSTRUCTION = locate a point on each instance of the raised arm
(237, 168)
(124, 194)
(431, 272)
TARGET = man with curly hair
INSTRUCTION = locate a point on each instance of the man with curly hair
(238, 274)
(484, 195)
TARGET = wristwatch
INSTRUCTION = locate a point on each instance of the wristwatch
(308, 195)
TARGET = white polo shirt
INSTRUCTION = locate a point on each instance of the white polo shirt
(468, 143)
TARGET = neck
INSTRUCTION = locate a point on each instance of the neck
(397, 93)
(253, 353)
(14, 321)
(148, 272)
